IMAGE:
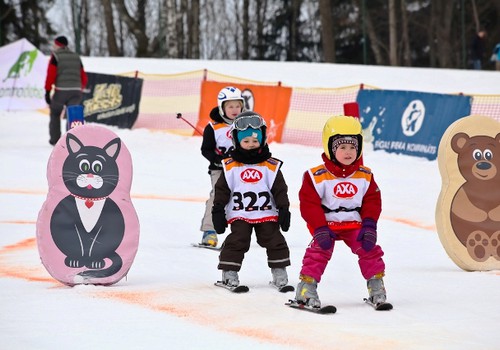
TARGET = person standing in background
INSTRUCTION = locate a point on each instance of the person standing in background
(66, 75)
(477, 49)
(495, 57)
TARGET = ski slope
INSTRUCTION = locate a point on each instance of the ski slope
(168, 299)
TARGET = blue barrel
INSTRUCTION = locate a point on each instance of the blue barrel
(74, 115)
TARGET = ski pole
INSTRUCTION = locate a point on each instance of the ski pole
(179, 116)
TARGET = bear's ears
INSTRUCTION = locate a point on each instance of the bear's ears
(460, 139)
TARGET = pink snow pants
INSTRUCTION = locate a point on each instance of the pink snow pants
(316, 259)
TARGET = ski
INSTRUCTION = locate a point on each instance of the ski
(283, 289)
(384, 306)
(199, 245)
(237, 289)
(328, 309)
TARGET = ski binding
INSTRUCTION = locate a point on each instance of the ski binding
(199, 245)
(283, 289)
(327, 309)
(233, 289)
(384, 306)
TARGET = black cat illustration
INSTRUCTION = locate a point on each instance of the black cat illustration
(87, 226)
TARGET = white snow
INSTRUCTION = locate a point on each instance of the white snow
(168, 300)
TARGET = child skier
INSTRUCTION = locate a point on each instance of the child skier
(252, 194)
(217, 145)
(340, 200)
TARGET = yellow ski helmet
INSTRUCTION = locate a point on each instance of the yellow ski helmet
(341, 125)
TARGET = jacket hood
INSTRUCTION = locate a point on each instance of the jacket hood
(215, 116)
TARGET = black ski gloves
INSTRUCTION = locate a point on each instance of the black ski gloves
(219, 218)
(284, 219)
(47, 97)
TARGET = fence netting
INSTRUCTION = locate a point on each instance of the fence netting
(164, 96)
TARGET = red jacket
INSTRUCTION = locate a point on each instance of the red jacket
(52, 74)
(310, 201)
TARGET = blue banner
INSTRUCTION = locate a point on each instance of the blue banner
(409, 122)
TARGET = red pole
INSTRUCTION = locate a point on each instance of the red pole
(179, 116)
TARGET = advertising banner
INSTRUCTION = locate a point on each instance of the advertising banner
(271, 102)
(409, 122)
(112, 99)
(22, 76)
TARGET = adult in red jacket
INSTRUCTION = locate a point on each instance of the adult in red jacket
(67, 77)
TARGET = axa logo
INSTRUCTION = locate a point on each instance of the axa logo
(251, 175)
(345, 190)
(23, 65)
(413, 118)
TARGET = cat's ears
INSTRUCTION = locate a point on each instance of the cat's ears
(73, 144)
(112, 148)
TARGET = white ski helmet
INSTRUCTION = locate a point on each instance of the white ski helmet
(229, 93)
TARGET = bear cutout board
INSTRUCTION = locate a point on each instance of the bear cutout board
(87, 228)
(468, 207)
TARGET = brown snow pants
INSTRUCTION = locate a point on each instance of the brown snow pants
(238, 241)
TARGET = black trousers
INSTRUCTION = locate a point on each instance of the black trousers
(60, 99)
(238, 241)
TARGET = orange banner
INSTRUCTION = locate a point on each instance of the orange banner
(271, 102)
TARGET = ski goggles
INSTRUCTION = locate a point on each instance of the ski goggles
(251, 121)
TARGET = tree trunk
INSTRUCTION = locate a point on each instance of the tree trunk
(172, 44)
(327, 30)
(375, 43)
(406, 61)
(135, 27)
(245, 28)
(194, 30)
(443, 20)
(261, 6)
(393, 36)
(294, 34)
(110, 30)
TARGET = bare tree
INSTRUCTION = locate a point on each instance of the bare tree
(261, 6)
(194, 29)
(375, 43)
(136, 26)
(110, 30)
(405, 37)
(245, 26)
(393, 37)
(171, 29)
(442, 13)
(327, 30)
(293, 30)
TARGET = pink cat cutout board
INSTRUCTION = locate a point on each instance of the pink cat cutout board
(87, 229)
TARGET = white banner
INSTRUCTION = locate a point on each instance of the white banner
(23, 69)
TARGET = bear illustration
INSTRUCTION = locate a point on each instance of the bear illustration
(475, 207)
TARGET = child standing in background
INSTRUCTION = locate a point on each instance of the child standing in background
(340, 200)
(251, 194)
(217, 145)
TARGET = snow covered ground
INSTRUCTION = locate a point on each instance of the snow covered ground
(168, 299)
